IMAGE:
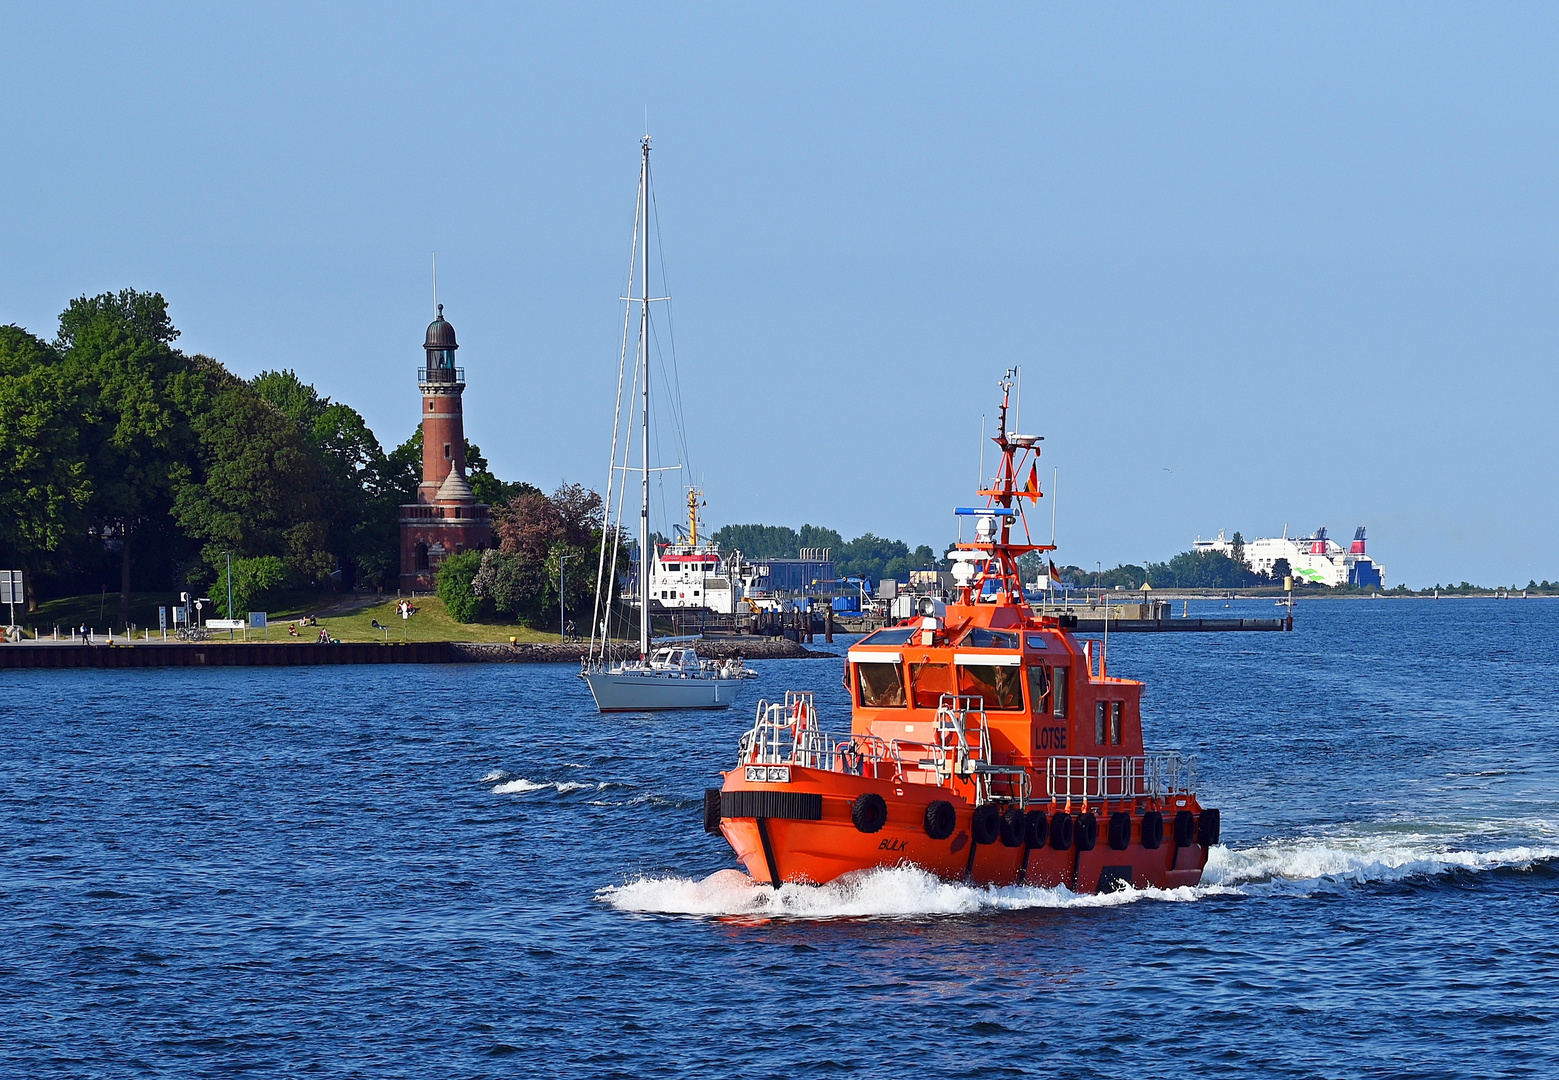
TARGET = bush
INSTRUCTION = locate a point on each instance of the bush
(253, 581)
(454, 586)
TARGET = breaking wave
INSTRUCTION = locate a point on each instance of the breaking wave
(520, 786)
(1284, 867)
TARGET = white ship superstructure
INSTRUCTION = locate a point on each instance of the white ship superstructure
(694, 574)
(1317, 558)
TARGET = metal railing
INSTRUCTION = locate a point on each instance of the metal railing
(1157, 774)
(427, 376)
(786, 733)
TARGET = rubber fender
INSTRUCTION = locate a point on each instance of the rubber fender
(1087, 831)
(1012, 827)
(1036, 828)
(941, 820)
(1062, 831)
(1208, 826)
(1120, 831)
(986, 825)
(712, 811)
(869, 812)
(1185, 828)
(1152, 830)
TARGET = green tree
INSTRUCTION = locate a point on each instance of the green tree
(257, 486)
(118, 349)
(364, 491)
(44, 486)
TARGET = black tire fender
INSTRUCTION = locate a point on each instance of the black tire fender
(941, 819)
(712, 811)
(869, 812)
(1120, 831)
(986, 824)
(1152, 830)
(1185, 828)
(1087, 831)
(1036, 828)
(1208, 827)
(1012, 827)
(1063, 830)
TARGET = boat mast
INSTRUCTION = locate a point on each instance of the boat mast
(644, 446)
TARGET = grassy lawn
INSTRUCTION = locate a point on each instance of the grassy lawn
(348, 617)
(430, 623)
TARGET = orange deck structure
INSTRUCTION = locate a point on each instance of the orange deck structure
(987, 744)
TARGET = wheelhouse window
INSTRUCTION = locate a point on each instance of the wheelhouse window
(982, 638)
(1099, 738)
(1115, 723)
(1035, 641)
(880, 686)
(1000, 687)
(928, 682)
(1058, 692)
(893, 635)
(1039, 688)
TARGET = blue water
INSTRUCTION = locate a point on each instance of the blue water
(464, 871)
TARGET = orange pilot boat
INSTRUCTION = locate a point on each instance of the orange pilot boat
(987, 744)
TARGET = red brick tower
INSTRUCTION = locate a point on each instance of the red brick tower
(446, 518)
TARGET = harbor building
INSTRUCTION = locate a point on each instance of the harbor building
(446, 519)
(1317, 558)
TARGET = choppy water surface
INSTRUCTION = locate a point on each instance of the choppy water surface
(464, 871)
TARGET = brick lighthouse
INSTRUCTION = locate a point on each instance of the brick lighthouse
(446, 519)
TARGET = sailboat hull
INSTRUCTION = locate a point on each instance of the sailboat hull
(651, 691)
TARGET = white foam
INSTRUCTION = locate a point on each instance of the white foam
(889, 892)
(1359, 859)
(496, 774)
(1285, 867)
(521, 786)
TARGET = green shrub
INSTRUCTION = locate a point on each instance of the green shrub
(454, 586)
(254, 580)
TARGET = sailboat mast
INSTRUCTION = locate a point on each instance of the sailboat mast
(644, 443)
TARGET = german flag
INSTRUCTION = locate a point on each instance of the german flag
(1031, 486)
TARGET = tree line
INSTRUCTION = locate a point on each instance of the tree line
(123, 457)
(868, 556)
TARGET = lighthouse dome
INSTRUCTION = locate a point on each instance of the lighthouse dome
(441, 335)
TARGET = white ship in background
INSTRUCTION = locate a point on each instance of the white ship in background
(1318, 558)
(693, 574)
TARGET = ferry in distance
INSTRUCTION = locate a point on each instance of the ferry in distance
(986, 744)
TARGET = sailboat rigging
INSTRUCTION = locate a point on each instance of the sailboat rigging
(667, 677)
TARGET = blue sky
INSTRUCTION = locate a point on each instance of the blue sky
(1261, 265)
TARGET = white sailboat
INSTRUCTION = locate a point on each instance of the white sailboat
(671, 677)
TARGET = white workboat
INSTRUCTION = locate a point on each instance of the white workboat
(668, 678)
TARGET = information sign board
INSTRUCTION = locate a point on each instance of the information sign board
(257, 620)
(11, 587)
(224, 624)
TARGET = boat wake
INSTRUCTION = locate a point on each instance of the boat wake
(1285, 867)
